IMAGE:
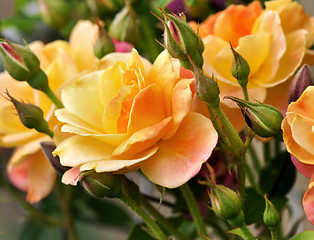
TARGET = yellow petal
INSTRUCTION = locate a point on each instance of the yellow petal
(292, 147)
(82, 40)
(163, 73)
(269, 22)
(82, 99)
(148, 109)
(143, 139)
(302, 134)
(128, 164)
(114, 110)
(291, 59)
(181, 104)
(180, 158)
(78, 150)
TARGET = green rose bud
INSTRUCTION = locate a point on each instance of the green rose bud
(31, 116)
(181, 41)
(207, 89)
(124, 26)
(104, 43)
(271, 216)
(227, 204)
(240, 68)
(56, 13)
(19, 61)
(102, 185)
(265, 120)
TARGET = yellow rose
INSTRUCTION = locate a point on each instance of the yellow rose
(273, 41)
(133, 115)
(28, 169)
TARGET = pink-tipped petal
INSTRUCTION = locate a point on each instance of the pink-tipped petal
(308, 201)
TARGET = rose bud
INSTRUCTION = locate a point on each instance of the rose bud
(300, 82)
(31, 116)
(207, 89)
(104, 43)
(271, 216)
(19, 61)
(227, 204)
(56, 13)
(103, 184)
(124, 26)
(240, 68)
(181, 41)
(265, 120)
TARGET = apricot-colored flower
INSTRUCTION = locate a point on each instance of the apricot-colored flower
(133, 115)
(298, 135)
(273, 41)
(28, 169)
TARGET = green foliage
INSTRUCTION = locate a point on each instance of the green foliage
(138, 232)
(308, 235)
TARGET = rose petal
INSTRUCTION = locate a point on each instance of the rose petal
(308, 201)
(148, 109)
(306, 169)
(180, 158)
(82, 99)
(71, 176)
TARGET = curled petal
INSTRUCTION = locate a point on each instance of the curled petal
(180, 157)
(308, 201)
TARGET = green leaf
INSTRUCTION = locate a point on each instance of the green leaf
(308, 235)
(35, 231)
(278, 176)
(237, 231)
(254, 206)
(138, 232)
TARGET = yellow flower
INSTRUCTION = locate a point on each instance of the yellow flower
(273, 41)
(133, 115)
(28, 169)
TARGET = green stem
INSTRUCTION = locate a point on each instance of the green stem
(65, 206)
(241, 178)
(194, 210)
(247, 235)
(234, 138)
(146, 218)
(161, 219)
(245, 93)
(50, 94)
(274, 235)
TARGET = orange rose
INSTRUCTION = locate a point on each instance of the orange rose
(134, 115)
(298, 135)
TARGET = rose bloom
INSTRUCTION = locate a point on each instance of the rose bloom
(274, 42)
(28, 169)
(133, 115)
(298, 135)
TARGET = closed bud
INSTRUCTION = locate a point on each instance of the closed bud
(180, 40)
(56, 13)
(300, 82)
(265, 120)
(240, 68)
(124, 26)
(227, 204)
(207, 89)
(19, 61)
(104, 43)
(31, 116)
(271, 216)
(101, 185)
